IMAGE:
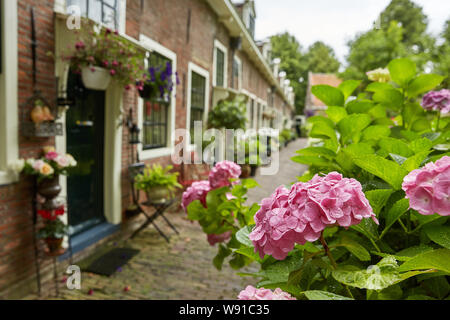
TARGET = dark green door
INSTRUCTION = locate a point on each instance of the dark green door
(85, 141)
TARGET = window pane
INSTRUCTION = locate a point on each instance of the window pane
(109, 16)
(95, 10)
(82, 4)
(220, 67)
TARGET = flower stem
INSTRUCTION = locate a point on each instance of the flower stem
(437, 122)
(333, 262)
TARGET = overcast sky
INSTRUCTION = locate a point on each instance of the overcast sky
(333, 21)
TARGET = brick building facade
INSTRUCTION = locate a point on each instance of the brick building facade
(192, 34)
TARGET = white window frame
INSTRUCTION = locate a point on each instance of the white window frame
(61, 7)
(219, 46)
(192, 67)
(9, 119)
(239, 61)
(154, 46)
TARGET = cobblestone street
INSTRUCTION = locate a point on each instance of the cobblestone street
(182, 269)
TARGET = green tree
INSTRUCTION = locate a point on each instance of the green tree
(319, 57)
(286, 47)
(441, 56)
(412, 19)
(374, 49)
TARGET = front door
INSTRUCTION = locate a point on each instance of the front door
(85, 123)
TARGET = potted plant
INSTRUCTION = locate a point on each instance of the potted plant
(53, 234)
(102, 55)
(157, 83)
(157, 182)
(229, 114)
(47, 169)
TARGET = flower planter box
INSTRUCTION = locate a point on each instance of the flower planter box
(43, 130)
(95, 78)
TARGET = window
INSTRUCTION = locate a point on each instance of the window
(220, 65)
(197, 99)
(198, 96)
(237, 73)
(156, 117)
(102, 11)
(156, 112)
(9, 151)
(251, 25)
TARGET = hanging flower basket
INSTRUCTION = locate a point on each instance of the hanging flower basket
(50, 189)
(147, 92)
(96, 78)
(54, 247)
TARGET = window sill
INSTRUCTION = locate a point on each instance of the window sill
(155, 153)
(7, 177)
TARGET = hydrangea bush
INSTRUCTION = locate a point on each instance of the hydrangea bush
(369, 218)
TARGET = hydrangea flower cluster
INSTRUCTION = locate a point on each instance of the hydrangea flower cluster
(302, 213)
(197, 191)
(428, 188)
(251, 293)
(379, 75)
(222, 172)
(437, 101)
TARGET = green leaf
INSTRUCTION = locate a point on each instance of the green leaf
(398, 159)
(368, 228)
(323, 295)
(378, 112)
(378, 277)
(329, 95)
(352, 125)
(439, 234)
(397, 210)
(412, 112)
(322, 130)
(360, 106)
(317, 151)
(220, 257)
(378, 199)
(437, 259)
(424, 83)
(249, 183)
(336, 114)
(243, 236)
(386, 170)
(378, 86)
(311, 160)
(402, 71)
(395, 146)
(414, 162)
(390, 98)
(355, 248)
(420, 145)
(375, 132)
(196, 211)
(348, 87)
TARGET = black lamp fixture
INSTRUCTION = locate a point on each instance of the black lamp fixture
(133, 129)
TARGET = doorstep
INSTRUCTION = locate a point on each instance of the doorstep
(85, 239)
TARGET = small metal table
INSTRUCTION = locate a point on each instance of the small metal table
(160, 209)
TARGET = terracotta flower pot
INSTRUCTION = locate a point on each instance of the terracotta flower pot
(54, 246)
(246, 171)
(50, 189)
(157, 194)
(95, 78)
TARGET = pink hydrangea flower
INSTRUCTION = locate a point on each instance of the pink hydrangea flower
(197, 191)
(251, 293)
(222, 172)
(301, 214)
(437, 101)
(428, 188)
(218, 238)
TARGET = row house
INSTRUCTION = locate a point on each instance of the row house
(211, 46)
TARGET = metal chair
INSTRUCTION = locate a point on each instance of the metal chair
(160, 208)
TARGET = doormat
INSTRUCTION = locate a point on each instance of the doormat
(111, 261)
